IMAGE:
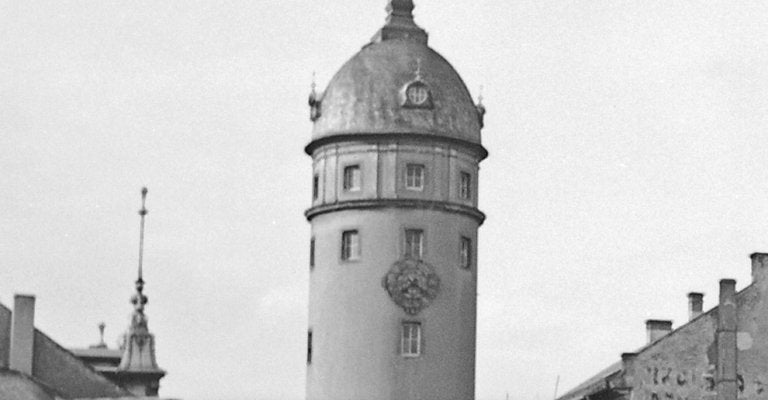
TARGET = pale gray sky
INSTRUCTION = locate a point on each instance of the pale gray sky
(628, 166)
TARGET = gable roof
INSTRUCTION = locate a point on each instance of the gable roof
(606, 379)
(58, 369)
(17, 386)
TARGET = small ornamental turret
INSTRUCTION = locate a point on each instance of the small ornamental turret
(314, 102)
(138, 370)
(101, 344)
(480, 109)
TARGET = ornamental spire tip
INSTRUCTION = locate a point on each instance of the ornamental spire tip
(138, 299)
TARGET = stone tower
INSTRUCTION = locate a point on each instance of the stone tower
(393, 284)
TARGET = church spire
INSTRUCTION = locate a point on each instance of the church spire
(400, 23)
(138, 366)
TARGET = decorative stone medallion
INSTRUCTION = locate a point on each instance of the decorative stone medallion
(412, 284)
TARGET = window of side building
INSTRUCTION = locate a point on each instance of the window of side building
(352, 178)
(465, 185)
(465, 253)
(350, 245)
(414, 177)
(410, 340)
(414, 243)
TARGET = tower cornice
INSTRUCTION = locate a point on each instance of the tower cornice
(419, 138)
(370, 204)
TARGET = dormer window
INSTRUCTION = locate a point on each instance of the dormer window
(417, 95)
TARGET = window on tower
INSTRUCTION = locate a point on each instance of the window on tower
(315, 186)
(350, 245)
(312, 253)
(465, 186)
(410, 341)
(414, 243)
(416, 95)
(465, 252)
(414, 177)
(309, 346)
(352, 178)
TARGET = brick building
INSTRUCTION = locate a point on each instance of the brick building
(719, 354)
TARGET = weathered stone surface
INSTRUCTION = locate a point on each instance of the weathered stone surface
(721, 354)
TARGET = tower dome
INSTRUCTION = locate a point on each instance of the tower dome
(396, 84)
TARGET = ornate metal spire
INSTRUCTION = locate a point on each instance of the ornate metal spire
(138, 299)
(139, 343)
(400, 24)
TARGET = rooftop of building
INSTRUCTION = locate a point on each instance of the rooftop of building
(609, 378)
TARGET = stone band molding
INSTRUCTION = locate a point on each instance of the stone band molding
(396, 203)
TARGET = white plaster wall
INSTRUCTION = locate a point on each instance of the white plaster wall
(356, 326)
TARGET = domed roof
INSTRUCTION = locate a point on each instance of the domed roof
(370, 94)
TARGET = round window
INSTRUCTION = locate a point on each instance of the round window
(417, 94)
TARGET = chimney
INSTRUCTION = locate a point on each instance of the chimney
(759, 264)
(695, 304)
(627, 370)
(727, 316)
(657, 328)
(22, 334)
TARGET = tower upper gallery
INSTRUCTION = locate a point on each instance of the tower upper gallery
(397, 84)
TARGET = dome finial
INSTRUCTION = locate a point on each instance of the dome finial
(400, 24)
(418, 69)
(314, 102)
(313, 85)
(480, 96)
(401, 8)
(480, 108)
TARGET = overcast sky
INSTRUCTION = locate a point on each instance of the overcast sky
(628, 166)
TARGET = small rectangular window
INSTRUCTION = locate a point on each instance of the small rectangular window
(414, 177)
(309, 346)
(410, 341)
(312, 252)
(352, 178)
(414, 243)
(465, 253)
(315, 187)
(350, 245)
(465, 186)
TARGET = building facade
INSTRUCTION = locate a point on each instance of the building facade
(395, 154)
(721, 354)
